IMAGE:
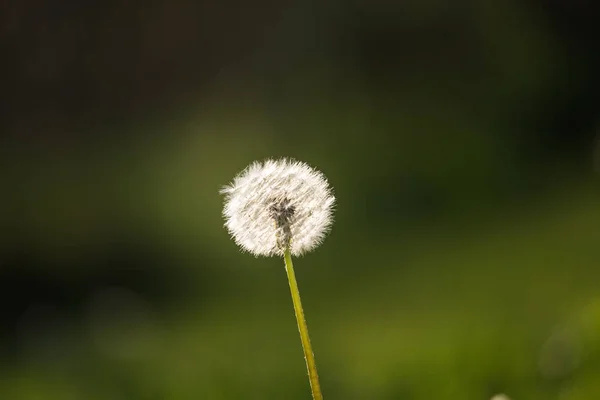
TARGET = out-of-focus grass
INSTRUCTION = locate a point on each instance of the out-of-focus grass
(512, 308)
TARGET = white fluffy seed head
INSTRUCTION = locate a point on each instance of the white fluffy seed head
(278, 203)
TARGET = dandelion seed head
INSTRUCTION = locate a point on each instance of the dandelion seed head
(278, 203)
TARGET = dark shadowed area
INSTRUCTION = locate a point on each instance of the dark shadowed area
(462, 141)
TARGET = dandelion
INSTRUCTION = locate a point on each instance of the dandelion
(281, 208)
(278, 204)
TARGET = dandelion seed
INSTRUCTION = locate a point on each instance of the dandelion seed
(278, 203)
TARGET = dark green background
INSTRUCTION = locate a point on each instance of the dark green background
(459, 138)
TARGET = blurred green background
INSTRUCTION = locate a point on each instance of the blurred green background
(459, 138)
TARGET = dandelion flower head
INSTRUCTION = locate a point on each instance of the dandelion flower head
(278, 203)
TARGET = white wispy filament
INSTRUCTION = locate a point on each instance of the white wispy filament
(278, 203)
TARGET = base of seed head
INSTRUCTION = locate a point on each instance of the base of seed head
(278, 204)
(282, 212)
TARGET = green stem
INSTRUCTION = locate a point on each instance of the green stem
(309, 356)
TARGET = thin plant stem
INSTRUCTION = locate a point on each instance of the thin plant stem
(309, 356)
